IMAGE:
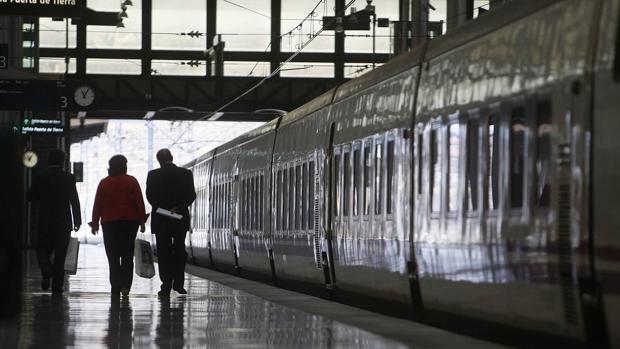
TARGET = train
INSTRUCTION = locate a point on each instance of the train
(473, 179)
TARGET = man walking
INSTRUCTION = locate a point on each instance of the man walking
(55, 190)
(170, 191)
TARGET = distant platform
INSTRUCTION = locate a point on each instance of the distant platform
(221, 311)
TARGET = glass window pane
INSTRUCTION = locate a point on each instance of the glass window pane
(518, 130)
(291, 198)
(53, 34)
(244, 24)
(298, 199)
(285, 202)
(170, 20)
(311, 206)
(260, 203)
(295, 33)
(390, 175)
(492, 165)
(279, 217)
(362, 40)
(167, 67)
(356, 180)
(471, 190)
(113, 66)
(129, 37)
(337, 185)
(435, 168)
(367, 178)
(304, 196)
(454, 150)
(346, 169)
(378, 176)
(306, 70)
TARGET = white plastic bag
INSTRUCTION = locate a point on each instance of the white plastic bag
(71, 259)
(144, 259)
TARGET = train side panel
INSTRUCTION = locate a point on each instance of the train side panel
(488, 242)
(605, 168)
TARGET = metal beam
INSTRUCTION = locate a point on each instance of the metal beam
(339, 58)
(211, 28)
(240, 56)
(80, 50)
(276, 20)
(147, 18)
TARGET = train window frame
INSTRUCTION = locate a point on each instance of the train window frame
(356, 180)
(347, 176)
(453, 120)
(291, 197)
(243, 199)
(419, 159)
(285, 196)
(435, 143)
(518, 103)
(367, 196)
(298, 199)
(253, 201)
(305, 177)
(261, 198)
(311, 192)
(337, 186)
(536, 201)
(491, 159)
(473, 162)
(378, 176)
(390, 172)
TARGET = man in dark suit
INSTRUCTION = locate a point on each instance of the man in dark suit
(171, 188)
(55, 190)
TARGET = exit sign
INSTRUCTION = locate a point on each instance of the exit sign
(4, 56)
(42, 8)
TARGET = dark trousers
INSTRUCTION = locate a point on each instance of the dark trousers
(171, 256)
(118, 238)
(53, 242)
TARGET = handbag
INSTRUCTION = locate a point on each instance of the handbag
(143, 253)
(71, 259)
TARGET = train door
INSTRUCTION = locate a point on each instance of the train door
(332, 205)
(235, 212)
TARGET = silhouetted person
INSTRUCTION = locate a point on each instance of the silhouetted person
(55, 189)
(171, 188)
(120, 207)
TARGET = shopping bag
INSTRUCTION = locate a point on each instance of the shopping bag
(144, 259)
(71, 259)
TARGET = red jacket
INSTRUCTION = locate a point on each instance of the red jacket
(118, 198)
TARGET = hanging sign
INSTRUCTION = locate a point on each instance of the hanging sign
(42, 8)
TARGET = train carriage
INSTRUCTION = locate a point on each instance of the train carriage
(472, 178)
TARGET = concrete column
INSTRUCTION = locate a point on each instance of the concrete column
(419, 19)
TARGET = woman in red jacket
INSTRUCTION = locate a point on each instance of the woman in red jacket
(120, 207)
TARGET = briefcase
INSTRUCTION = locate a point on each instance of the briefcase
(144, 259)
(71, 259)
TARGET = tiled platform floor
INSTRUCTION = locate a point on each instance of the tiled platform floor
(212, 315)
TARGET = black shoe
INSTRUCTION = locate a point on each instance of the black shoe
(125, 291)
(163, 294)
(180, 290)
(45, 283)
(57, 292)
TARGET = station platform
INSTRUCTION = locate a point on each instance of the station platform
(220, 311)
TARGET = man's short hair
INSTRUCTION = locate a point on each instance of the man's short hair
(56, 157)
(164, 156)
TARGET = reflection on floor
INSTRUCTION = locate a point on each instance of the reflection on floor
(212, 315)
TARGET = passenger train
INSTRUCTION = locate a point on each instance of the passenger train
(472, 179)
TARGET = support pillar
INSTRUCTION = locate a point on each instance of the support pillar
(459, 12)
(276, 20)
(419, 22)
(147, 29)
(211, 29)
(339, 45)
(80, 49)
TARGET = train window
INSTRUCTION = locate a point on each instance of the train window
(419, 160)
(337, 185)
(492, 153)
(454, 154)
(543, 154)
(291, 198)
(356, 180)
(517, 156)
(367, 179)
(244, 204)
(253, 203)
(285, 203)
(311, 195)
(279, 201)
(378, 176)
(298, 199)
(346, 170)
(260, 202)
(471, 175)
(390, 175)
(304, 197)
(436, 157)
